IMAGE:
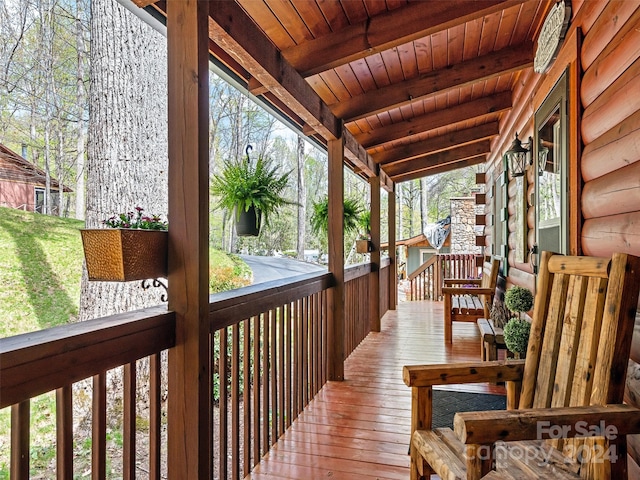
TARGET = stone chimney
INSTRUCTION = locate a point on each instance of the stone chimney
(463, 222)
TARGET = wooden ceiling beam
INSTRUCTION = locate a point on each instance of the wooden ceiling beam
(255, 87)
(450, 140)
(436, 159)
(433, 83)
(234, 31)
(468, 162)
(386, 31)
(440, 118)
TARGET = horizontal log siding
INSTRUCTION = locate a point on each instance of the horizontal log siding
(611, 132)
(611, 156)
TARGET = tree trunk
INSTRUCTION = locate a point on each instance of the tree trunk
(302, 199)
(46, 17)
(423, 204)
(127, 162)
(81, 138)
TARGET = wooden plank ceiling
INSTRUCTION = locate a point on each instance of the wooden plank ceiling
(421, 86)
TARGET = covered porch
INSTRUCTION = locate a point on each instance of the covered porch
(395, 92)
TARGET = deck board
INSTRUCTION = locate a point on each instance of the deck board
(359, 428)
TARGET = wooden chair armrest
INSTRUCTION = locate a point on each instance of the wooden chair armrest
(463, 281)
(485, 428)
(459, 373)
(467, 291)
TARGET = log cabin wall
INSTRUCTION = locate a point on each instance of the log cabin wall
(602, 55)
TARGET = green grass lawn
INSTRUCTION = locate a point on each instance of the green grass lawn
(40, 269)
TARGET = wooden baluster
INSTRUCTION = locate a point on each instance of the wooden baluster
(300, 355)
(20, 429)
(281, 371)
(235, 401)
(256, 390)
(316, 342)
(129, 423)
(223, 372)
(246, 396)
(325, 337)
(266, 369)
(288, 364)
(64, 433)
(99, 428)
(305, 351)
(273, 349)
(155, 415)
(296, 358)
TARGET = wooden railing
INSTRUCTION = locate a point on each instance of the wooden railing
(268, 345)
(386, 284)
(53, 359)
(427, 280)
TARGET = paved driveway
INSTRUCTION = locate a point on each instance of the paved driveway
(266, 269)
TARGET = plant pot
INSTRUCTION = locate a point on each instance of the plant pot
(124, 255)
(248, 223)
(363, 246)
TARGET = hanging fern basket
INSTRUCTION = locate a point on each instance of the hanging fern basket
(124, 255)
(248, 223)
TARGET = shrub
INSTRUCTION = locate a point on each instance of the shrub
(518, 299)
(516, 335)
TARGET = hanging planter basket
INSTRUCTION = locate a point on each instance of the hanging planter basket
(124, 255)
(363, 246)
(248, 223)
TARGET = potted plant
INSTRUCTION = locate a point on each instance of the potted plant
(320, 217)
(133, 248)
(250, 190)
(363, 244)
(516, 331)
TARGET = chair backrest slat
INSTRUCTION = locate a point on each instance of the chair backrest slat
(616, 333)
(587, 348)
(572, 325)
(551, 342)
(490, 273)
(581, 331)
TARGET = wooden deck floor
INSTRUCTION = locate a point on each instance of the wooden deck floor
(359, 428)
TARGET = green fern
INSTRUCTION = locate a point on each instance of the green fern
(320, 216)
(243, 185)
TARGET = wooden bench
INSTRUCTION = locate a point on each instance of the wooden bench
(491, 339)
(470, 302)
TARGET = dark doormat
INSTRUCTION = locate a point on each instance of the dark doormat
(446, 404)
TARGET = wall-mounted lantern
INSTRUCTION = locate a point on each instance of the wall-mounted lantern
(543, 153)
(518, 157)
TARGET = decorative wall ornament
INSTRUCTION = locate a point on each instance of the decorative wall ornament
(551, 36)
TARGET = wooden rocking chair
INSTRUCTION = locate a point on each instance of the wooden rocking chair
(570, 384)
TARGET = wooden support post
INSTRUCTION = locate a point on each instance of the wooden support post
(374, 276)
(336, 295)
(189, 411)
(393, 276)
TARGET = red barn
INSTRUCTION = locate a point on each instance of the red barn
(22, 183)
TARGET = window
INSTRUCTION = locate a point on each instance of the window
(551, 154)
